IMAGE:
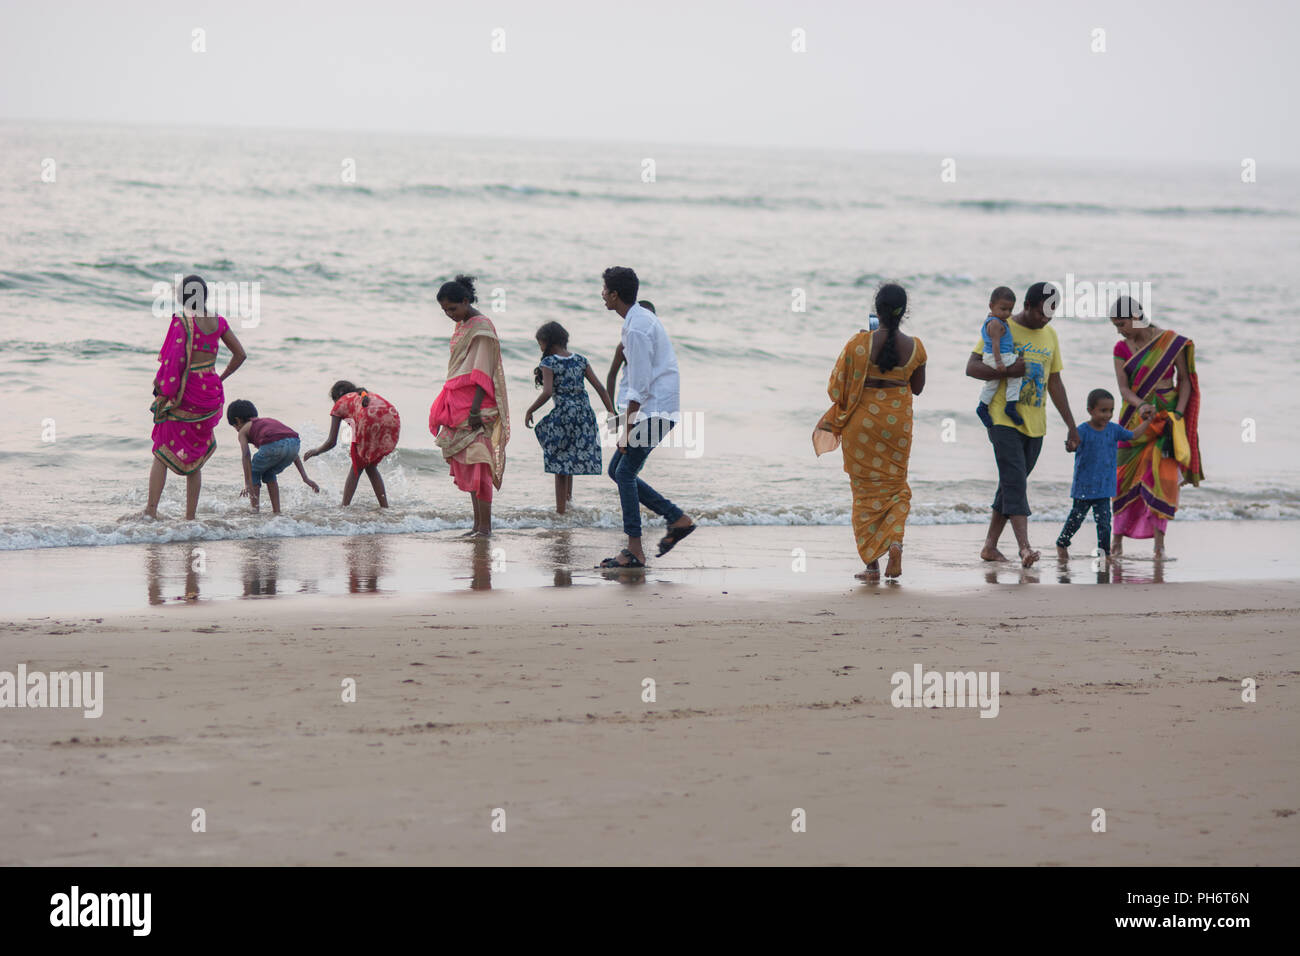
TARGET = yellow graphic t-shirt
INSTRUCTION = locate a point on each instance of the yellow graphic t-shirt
(1042, 354)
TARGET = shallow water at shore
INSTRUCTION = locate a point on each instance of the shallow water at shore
(752, 560)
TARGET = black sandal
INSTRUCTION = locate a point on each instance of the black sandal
(669, 541)
(632, 561)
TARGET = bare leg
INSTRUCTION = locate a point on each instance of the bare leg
(1020, 525)
(255, 497)
(895, 566)
(1062, 554)
(1158, 551)
(485, 517)
(157, 478)
(561, 494)
(634, 545)
(273, 493)
(1116, 545)
(350, 487)
(193, 484)
(377, 483)
(990, 552)
(568, 487)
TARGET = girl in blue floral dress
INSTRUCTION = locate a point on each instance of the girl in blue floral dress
(568, 435)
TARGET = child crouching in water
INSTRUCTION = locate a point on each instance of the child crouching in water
(1094, 471)
(999, 352)
(375, 429)
(277, 449)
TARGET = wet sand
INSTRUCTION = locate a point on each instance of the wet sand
(773, 692)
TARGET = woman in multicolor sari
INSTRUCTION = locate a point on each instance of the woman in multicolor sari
(188, 394)
(470, 418)
(1156, 372)
(872, 387)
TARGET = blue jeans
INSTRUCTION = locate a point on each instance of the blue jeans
(632, 491)
(274, 458)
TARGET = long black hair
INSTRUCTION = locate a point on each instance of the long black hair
(891, 304)
(459, 289)
(550, 335)
(343, 387)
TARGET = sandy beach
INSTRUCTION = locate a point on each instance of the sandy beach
(772, 693)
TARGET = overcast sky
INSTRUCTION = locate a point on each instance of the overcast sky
(1188, 80)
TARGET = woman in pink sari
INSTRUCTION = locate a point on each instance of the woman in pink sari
(188, 395)
(470, 418)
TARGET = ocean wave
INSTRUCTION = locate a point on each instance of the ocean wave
(332, 523)
(1088, 208)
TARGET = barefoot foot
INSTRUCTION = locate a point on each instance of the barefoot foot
(1062, 554)
(1028, 556)
(991, 554)
(895, 566)
(872, 572)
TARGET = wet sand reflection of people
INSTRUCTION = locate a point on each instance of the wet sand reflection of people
(261, 566)
(1122, 573)
(192, 559)
(560, 551)
(367, 558)
(481, 573)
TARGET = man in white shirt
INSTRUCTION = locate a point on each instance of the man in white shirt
(650, 393)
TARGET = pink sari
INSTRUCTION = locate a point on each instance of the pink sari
(189, 396)
(477, 456)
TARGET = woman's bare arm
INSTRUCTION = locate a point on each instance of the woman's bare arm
(237, 355)
(1184, 381)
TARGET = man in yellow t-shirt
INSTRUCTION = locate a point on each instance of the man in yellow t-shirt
(1016, 447)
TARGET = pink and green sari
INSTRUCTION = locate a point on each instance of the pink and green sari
(189, 398)
(1148, 472)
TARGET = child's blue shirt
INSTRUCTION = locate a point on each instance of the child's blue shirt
(1005, 343)
(1094, 460)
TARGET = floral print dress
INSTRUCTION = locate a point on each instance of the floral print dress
(568, 435)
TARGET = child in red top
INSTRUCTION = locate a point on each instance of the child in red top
(375, 428)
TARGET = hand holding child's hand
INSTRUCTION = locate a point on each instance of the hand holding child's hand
(1147, 411)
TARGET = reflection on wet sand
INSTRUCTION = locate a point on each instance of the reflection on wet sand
(260, 566)
(1128, 573)
(192, 559)
(1011, 574)
(560, 552)
(367, 559)
(481, 568)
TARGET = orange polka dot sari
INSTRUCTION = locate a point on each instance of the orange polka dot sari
(873, 428)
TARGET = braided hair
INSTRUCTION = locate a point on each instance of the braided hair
(891, 304)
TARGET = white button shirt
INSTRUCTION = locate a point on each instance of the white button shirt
(651, 374)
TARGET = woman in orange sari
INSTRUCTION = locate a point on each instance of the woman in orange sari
(872, 387)
(1156, 372)
(470, 418)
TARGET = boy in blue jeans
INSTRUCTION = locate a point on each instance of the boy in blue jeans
(277, 449)
(1094, 471)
